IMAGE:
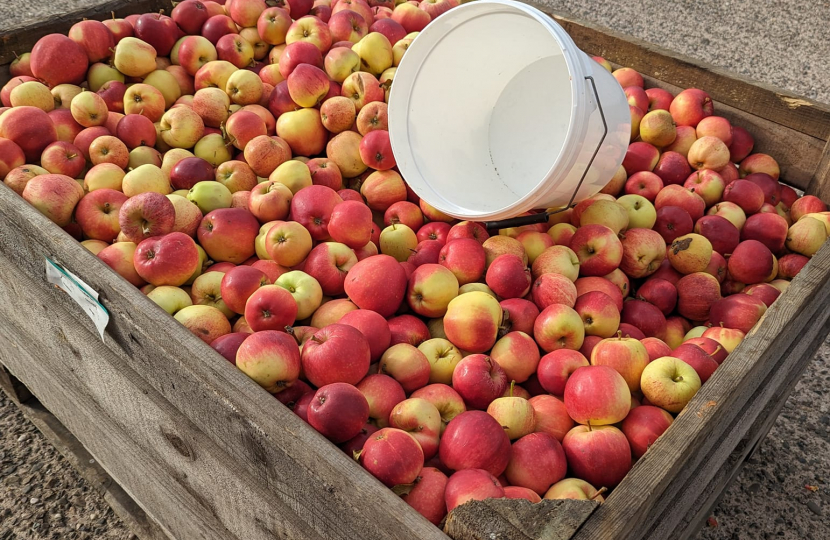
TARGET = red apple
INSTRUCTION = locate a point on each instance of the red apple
(29, 128)
(519, 315)
(643, 426)
(769, 229)
(672, 168)
(228, 345)
(270, 358)
(98, 214)
(166, 260)
(427, 496)
(471, 484)
(228, 234)
(145, 215)
(465, 258)
(691, 106)
(392, 456)
(536, 463)
(239, 283)
(627, 356)
(599, 455)
(475, 440)
(597, 396)
(56, 59)
(336, 353)
(645, 317)
(748, 195)
(508, 276)
(373, 327)
(555, 369)
(701, 361)
(640, 156)
(383, 393)
(598, 249)
(738, 312)
(601, 284)
(271, 307)
(377, 283)
(751, 262)
(158, 31)
(720, 232)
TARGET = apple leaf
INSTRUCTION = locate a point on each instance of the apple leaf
(403, 489)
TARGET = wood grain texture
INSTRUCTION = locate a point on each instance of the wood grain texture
(720, 415)
(205, 423)
(23, 39)
(518, 519)
(700, 498)
(82, 461)
(765, 101)
(820, 185)
(13, 388)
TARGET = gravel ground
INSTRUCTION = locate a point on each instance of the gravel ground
(41, 495)
(783, 492)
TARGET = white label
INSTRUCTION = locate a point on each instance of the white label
(80, 292)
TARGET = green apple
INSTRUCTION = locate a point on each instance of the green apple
(669, 383)
(213, 149)
(398, 240)
(203, 264)
(641, 213)
(209, 195)
(100, 73)
(306, 292)
(170, 299)
(443, 356)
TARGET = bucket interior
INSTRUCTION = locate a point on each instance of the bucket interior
(489, 109)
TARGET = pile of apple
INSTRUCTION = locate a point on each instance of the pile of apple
(233, 161)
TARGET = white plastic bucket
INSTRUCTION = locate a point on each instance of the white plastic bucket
(491, 114)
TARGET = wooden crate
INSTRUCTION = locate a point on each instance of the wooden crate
(205, 453)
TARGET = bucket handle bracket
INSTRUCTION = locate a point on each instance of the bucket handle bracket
(542, 217)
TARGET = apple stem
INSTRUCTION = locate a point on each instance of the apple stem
(589, 425)
(15, 55)
(599, 492)
(619, 334)
(716, 351)
(512, 384)
(113, 15)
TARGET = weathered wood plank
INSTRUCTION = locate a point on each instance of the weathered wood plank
(14, 389)
(82, 461)
(797, 153)
(518, 519)
(699, 497)
(22, 40)
(315, 490)
(762, 100)
(820, 185)
(139, 472)
(719, 417)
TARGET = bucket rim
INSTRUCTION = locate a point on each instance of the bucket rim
(401, 94)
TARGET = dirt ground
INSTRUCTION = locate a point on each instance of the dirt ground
(782, 492)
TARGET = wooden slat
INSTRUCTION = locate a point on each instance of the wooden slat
(762, 100)
(722, 412)
(22, 40)
(14, 389)
(311, 488)
(699, 497)
(797, 153)
(82, 461)
(518, 519)
(820, 185)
